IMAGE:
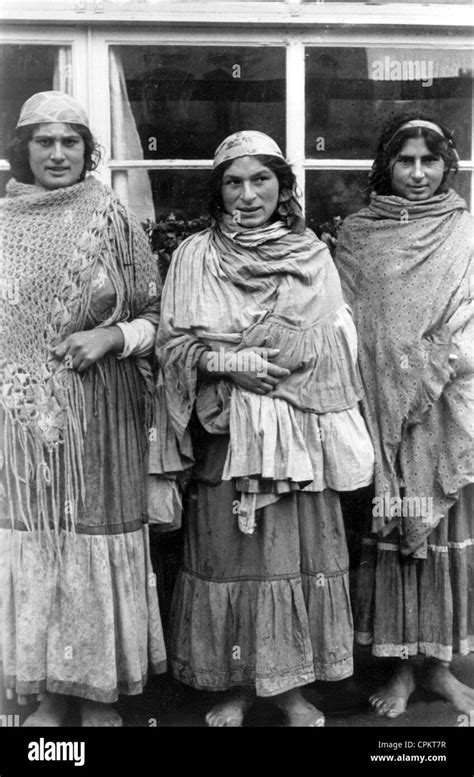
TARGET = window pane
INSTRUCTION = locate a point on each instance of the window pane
(4, 178)
(180, 202)
(25, 70)
(330, 194)
(352, 92)
(182, 193)
(185, 99)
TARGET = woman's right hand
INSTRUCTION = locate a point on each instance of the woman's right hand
(255, 372)
(250, 368)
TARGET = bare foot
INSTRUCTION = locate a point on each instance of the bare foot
(392, 698)
(298, 711)
(231, 712)
(94, 714)
(51, 711)
(436, 677)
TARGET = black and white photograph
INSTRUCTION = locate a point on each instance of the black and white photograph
(237, 382)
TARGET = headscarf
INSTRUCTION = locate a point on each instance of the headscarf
(52, 107)
(404, 268)
(246, 143)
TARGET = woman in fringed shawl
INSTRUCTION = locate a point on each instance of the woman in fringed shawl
(258, 375)
(404, 263)
(80, 614)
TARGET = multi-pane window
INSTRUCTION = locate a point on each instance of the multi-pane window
(161, 100)
(183, 100)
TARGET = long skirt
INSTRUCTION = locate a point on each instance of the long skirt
(83, 619)
(269, 611)
(406, 606)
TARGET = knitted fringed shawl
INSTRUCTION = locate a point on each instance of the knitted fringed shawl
(405, 269)
(53, 244)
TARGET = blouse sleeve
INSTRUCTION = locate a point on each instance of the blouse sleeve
(138, 336)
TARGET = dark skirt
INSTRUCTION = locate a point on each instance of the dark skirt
(406, 606)
(269, 611)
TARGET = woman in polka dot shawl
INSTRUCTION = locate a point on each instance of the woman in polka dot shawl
(404, 263)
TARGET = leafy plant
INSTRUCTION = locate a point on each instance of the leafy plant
(329, 232)
(166, 234)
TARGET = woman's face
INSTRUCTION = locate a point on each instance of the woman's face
(416, 173)
(56, 156)
(252, 190)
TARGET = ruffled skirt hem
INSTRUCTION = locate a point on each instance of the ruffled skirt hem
(428, 649)
(405, 606)
(269, 634)
(83, 691)
(83, 622)
(242, 678)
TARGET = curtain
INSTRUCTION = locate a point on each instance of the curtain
(126, 144)
(62, 76)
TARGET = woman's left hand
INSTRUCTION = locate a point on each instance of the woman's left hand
(82, 349)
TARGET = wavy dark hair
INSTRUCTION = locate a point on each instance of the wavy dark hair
(391, 142)
(288, 209)
(18, 155)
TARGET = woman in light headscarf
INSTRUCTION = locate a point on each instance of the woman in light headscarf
(80, 610)
(258, 375)
(405, 264)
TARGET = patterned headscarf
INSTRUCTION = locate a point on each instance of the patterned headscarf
(245, 143)
(51, 107)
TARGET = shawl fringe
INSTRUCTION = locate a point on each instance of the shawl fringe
(60, 237)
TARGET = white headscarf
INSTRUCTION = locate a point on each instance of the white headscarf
(52, 107)
(246, 143)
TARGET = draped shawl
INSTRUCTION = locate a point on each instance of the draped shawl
(234, 288)
(54, 245)
(405, 268)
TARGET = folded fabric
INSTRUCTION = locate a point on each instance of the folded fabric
(229, 289)
(406, 270)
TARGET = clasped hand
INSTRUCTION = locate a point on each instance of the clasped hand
(254, 370)
(82, 349)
